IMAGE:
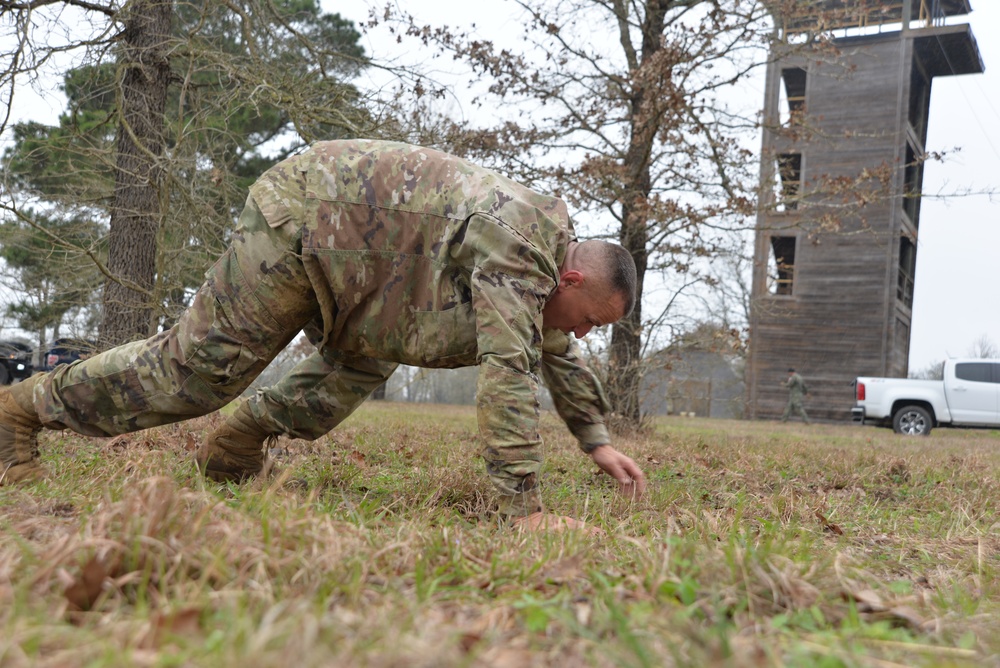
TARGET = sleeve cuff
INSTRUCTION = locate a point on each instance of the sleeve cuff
(592, 436)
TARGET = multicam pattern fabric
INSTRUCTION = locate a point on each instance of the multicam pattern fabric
(797, 389)
(386, 253)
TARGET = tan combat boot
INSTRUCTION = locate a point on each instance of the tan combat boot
(19, 427)
(235, 450)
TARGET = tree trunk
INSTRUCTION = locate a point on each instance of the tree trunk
(625, 359)
(135, 213)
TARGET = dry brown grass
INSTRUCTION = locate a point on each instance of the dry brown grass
(757, 544)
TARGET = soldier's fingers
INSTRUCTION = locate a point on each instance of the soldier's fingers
(632, 488)
(636, 484)
(631, 481)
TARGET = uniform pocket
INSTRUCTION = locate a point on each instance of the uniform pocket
(447, 338)
(111, 402)
(211, 348)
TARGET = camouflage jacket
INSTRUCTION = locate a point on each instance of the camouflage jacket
(422, 258)
(796, 387)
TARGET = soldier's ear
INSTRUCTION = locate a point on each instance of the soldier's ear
(570, 278)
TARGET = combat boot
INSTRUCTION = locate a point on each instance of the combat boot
(19, 427)
(235, 450)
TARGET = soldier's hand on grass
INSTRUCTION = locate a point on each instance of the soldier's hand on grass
(550, 522)
(631, 481)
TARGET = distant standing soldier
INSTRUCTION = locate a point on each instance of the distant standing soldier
(796, 390)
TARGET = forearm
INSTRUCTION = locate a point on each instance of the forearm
(508, 424)
(510, 283)
(578, 397)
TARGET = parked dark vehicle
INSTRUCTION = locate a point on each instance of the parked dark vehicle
(64, 351)
(15, 361)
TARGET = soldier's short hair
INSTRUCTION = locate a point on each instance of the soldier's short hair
(617, 268)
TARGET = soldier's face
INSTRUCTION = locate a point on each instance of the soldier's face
(578, 305)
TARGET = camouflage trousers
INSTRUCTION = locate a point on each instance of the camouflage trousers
(794, 407)
(254, 301)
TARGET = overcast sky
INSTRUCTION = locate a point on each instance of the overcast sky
(956, 300)
(956, 297)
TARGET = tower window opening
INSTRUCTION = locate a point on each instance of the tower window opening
(920, 102)
(793, 92)
(912, 177)
(902, 344)
(789, 170)
(907, 270)
(781, 266)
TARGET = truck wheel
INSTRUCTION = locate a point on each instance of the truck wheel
(912, 421)
(4, 375)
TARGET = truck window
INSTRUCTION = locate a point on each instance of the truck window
(977, 372)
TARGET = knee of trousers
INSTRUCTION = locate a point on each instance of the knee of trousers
(194, 368)
(238, 323)
(131, 387)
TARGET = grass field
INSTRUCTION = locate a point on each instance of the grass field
(757, 544)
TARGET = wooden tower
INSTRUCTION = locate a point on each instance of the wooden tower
(841, 169)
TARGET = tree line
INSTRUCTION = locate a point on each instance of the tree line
(626, 110)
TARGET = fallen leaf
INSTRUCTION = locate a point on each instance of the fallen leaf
(582, 610)
(84, 591)
(867, 600)
(186, 622)
(828, 525)
(469, 640)
(563, 570)
(120, 442)
(908, 615)
(498, 657)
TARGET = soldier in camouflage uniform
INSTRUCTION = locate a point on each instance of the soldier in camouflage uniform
(796, 391)
(386, 254)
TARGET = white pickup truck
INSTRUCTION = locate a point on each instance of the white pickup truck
(969, 396)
